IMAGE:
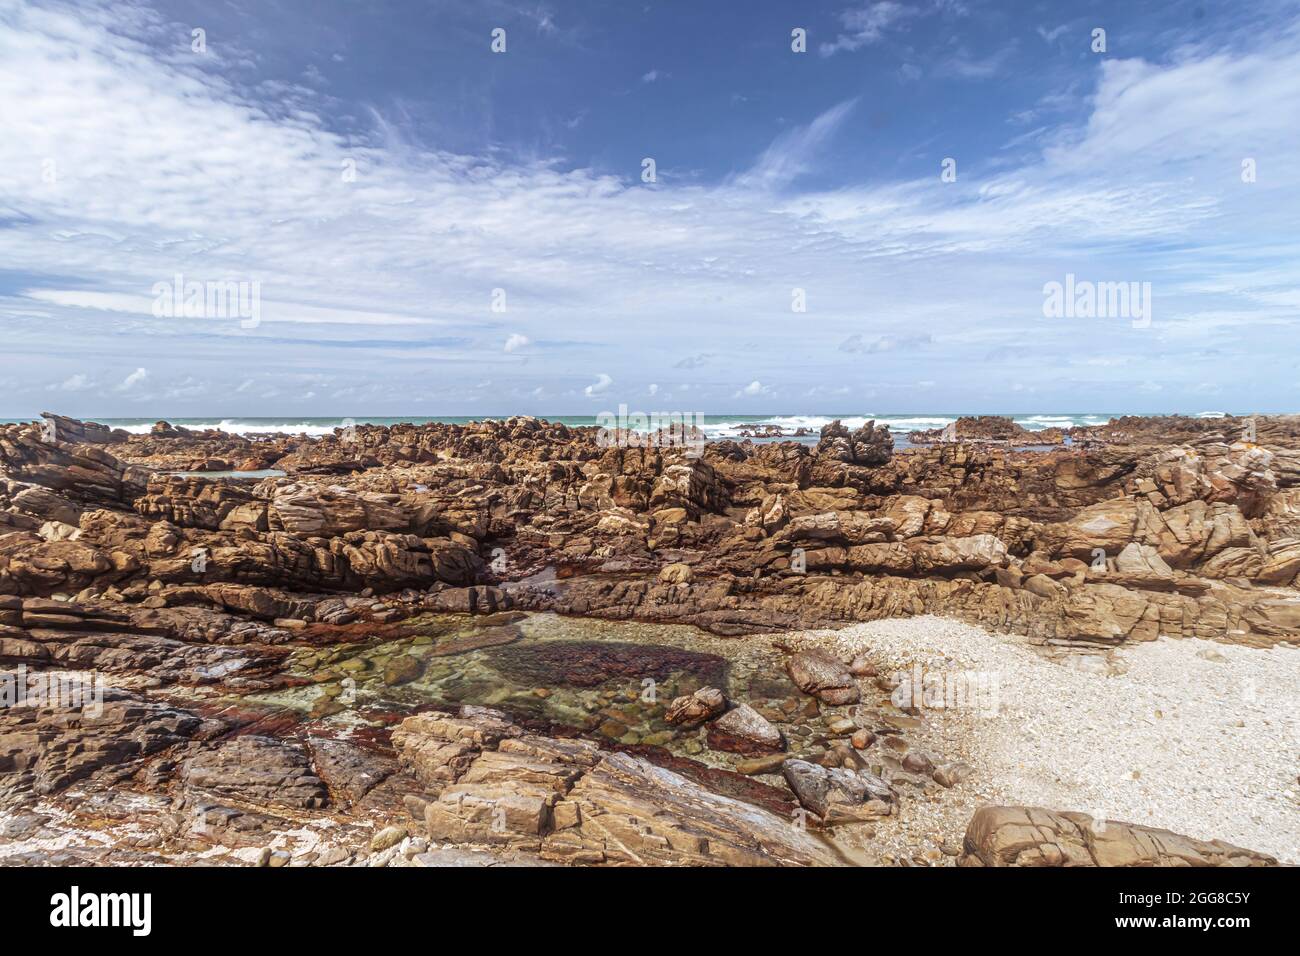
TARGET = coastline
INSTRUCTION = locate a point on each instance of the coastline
(517, 639)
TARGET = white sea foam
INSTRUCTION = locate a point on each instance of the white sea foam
(235, 427)
(726, 428)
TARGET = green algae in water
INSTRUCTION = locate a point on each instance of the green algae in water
(611, 679)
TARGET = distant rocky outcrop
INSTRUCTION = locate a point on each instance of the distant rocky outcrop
(870, 445)
(988, 429)
(1102, 544)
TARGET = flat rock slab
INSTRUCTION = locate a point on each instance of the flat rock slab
(464, 642)
(627, 811)
(1032, 836)
(257, 769)
(349, 771)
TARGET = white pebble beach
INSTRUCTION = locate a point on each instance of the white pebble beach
(1192, 736)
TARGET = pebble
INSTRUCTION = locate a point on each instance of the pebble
(388, 837)
(767, 764)
(1063, 738)
(862, 739)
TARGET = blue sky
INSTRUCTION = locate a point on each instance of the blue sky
(128, 157)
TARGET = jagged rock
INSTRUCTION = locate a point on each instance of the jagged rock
(987, 428)
(438, 748)
(44, 749)
(573, 802)
(891, 536)
(694, 709)
(626, 811)
(258, 770)
(349, 771)
(838, 794)
(1282, 564)
(871, 445)
(200, 588)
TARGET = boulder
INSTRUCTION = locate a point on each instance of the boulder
(824, 676)
(694, 709)
(743, 730)
(1031, 836)
(839, 794)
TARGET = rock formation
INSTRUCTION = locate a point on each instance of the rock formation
(195, 598)
(1030, 836)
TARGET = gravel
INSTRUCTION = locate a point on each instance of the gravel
(1193, 736)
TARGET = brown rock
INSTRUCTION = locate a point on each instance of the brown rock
(694, 709)
(1030, 836)
(838, 794)
(824, 676)
(744, 730)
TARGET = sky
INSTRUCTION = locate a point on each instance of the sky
(663, 205)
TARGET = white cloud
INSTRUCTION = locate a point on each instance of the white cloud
(694, 361)
(602, 384)
(134, 379)
(368, 280)
(866, 25)
(74, 383)
(964, 65)
(794, 153)
(515, 341)
(753, 388)
(885, 343)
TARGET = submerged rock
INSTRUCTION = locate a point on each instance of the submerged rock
(591, 663)
(824, 676)
(744, 730)
(694, 709)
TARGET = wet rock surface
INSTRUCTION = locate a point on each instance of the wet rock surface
(744, 730)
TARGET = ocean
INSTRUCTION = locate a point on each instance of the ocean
(715, 426)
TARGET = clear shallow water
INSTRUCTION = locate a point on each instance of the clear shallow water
(609, 679)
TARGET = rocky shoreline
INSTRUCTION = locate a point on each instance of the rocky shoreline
(510, 642)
